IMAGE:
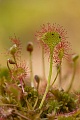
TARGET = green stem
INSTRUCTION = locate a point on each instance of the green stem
(60, 76)
(15, 60)
(9, 67)
(56, 76)
(35, 103)
(37, 96)
(72, 80)
(31, 70)
(49, 79)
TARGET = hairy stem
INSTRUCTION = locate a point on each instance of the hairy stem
(49, 79)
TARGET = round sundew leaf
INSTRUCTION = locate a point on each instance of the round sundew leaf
(51, 39)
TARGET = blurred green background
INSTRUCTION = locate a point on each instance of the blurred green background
(24, 18)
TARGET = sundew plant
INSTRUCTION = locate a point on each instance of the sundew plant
(52, 36)
(20, 90)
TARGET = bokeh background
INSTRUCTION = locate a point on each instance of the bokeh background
(24, 18)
